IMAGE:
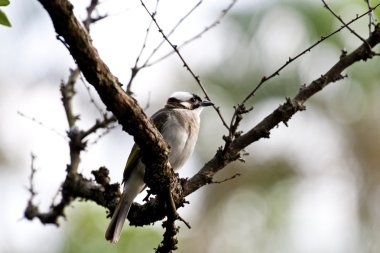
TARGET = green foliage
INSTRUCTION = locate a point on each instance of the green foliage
(4, 2)
(3, 18)
(85, 234)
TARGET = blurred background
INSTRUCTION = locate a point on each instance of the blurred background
(312, 187)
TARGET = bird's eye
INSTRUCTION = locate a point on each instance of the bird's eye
(193, 100)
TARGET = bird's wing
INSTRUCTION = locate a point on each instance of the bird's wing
(133, 160)
(158, 119)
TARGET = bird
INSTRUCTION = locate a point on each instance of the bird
(178, 122)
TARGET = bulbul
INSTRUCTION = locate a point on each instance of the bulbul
(178, 122)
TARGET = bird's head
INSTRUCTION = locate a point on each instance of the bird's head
(186, 100)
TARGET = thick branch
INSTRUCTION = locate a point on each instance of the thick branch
(134, 121)
(125, 108)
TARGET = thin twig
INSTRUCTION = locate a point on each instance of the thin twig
(31, 178)
(40, 123)
(108, 123)
(135, 69)
(371, 18)
(106, 131)
(199, 35)
(67, 92)
(342, 21)
(89, 19)
(237, 117)
(227, 179)
(196, 77)
(99, 124)
(290, 60)
(171, 32)
(172, 210)
(92, 100)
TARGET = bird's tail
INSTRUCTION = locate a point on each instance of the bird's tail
(118, 218)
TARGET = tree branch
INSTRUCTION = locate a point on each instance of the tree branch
(159, 175)
(342, 21)
(282, 114)
(124, 107)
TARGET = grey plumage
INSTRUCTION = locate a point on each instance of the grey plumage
(178, 122)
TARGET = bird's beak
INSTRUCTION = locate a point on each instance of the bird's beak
(206, 103)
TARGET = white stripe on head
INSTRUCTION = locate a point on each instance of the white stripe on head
(182, 95)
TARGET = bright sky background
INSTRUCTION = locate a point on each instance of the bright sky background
(29, 50)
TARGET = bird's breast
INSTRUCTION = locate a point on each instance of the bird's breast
(181, 134)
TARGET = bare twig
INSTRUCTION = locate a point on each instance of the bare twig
(89, 19)
(76, 186)
(105, 132)
(291, 59)
(135, 69)
(146, 63)
(172, 209)
(227, 179)
(240, 110)
(371, 18)
(67, 93)
(99, 124)
(342, 21)
(31, 210)
(199, 35)
(31, 179)
(196, 77)
(40, 123)
(92, 100)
